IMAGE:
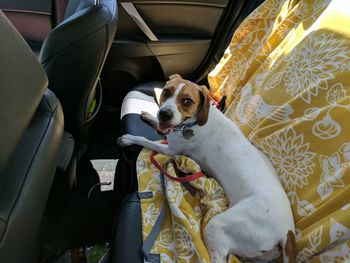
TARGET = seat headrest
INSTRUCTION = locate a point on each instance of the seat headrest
(23, 83)
(83, 19)
(71, 8)
(75, 6)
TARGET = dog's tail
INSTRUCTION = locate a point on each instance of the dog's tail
(289, 248)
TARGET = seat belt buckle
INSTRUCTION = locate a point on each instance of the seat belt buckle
(153, 258)
(145, 195)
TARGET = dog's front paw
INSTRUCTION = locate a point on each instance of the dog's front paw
(149, 118)
(125, 140)
(146, 116)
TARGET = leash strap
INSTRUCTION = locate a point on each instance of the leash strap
(190, 188)
(221, 105)
(187, 185)
(177, 179)
(151, 238)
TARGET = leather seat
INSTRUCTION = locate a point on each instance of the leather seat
(141, 98)
(73, 55)
(126, 240)
(30, 136)
(127, 234)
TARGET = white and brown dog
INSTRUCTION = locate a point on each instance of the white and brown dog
(259, 223)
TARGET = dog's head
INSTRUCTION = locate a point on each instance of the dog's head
(181, 100)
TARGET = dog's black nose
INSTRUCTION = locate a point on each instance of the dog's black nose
(165, 115)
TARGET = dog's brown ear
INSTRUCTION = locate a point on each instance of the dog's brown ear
(203, 109)
(175, 76)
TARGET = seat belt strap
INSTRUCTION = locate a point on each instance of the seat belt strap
(187, 185)
(134, 14)
(151, 238)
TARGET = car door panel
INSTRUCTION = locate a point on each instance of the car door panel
(34, 19)
(184, 30)
(183, 18)
(42, 6)
(180, 56)
(33, 26)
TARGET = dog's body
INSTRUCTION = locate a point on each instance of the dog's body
(259, 221)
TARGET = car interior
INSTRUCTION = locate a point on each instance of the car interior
(74, 76)
(93, 53)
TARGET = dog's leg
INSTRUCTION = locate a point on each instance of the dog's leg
(128, 139)
(216, 241)
(149, 118)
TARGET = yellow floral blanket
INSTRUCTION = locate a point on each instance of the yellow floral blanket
(180, 237)
(286, 75)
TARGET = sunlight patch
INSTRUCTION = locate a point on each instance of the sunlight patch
(105, 169)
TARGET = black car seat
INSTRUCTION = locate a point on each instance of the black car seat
(141, 98)
(126, 240)
(73, 55)
(31, 130)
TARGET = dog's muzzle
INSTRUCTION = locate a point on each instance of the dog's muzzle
(165, 115)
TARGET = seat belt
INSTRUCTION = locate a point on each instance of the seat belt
(134, 14)
(151, 238)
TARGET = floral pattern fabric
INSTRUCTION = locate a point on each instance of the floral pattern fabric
(180, 238)
(286, 75)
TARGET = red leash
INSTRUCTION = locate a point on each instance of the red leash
(216, 104)
(177, 179)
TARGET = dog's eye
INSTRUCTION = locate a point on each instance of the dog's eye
(166, 93)
(187, 102)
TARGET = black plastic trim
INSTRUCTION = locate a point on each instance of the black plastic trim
(134, 49)
(43, 6)
(212, 3)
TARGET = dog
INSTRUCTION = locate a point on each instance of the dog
(258, 225)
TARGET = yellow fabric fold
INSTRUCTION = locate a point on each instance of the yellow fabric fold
(180, 239)
(286, 74)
